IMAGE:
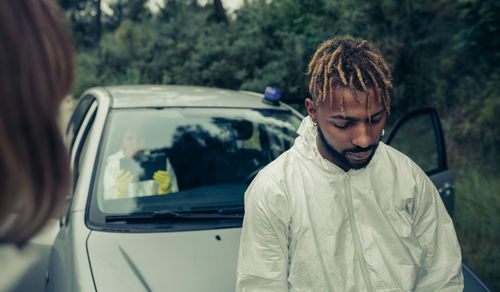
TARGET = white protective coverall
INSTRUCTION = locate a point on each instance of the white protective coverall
(310, 226)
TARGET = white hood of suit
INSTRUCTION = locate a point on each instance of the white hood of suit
(310, 226)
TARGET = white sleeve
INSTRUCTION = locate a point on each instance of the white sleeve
(436, 234)
(263, 254)
(110, 173)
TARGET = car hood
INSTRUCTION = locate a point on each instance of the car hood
(170, 261)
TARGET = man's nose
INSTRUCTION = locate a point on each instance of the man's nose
(361, 136)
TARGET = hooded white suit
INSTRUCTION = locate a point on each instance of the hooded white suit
(310, 226)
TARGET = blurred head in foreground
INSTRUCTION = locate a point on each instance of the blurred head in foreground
(36, 73)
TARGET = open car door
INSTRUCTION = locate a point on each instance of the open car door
(419, 135)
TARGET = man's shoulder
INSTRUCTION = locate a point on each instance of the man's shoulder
(273, 176)
(398, 161)
(269, 189)
(116, 156)
(279, 166)
(392, 153)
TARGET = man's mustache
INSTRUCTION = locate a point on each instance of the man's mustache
(359, 149)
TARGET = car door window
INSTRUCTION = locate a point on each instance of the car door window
(418, 136)
(77, 119)
(78, 149)
(83, 143)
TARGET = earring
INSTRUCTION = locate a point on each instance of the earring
(315, 124)
(383, 133)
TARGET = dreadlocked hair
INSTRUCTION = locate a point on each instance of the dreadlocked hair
(352, 63)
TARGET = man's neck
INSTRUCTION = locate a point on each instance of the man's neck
(326, 155)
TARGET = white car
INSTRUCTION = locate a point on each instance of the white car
(130, 233)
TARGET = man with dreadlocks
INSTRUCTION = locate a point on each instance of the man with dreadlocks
(340, 210)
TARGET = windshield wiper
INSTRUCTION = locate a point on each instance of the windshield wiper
(169, 215)
(231, 210)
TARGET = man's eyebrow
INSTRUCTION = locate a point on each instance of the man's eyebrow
(346, 118)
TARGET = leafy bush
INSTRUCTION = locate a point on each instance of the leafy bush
(476, 219)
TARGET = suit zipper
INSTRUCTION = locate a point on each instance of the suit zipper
(355, 234)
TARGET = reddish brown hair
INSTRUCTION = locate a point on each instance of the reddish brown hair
(36, 73)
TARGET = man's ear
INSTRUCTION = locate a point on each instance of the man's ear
(311, 109)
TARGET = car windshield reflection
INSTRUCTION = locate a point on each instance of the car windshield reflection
(185, 159)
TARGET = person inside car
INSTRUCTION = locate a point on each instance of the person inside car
(340, 210)
(121, 181)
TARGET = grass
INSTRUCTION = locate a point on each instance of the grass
(477, 222)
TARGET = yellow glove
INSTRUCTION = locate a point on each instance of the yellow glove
(162, 178)
(123, 180)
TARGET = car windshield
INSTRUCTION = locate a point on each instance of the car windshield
(185, 159)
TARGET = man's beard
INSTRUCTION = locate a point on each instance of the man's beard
(340, 157)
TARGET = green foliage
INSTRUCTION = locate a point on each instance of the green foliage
(475, 124)
(476, 220)
(436, 60)
(83, 20)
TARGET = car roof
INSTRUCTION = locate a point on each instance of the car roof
(133, 96)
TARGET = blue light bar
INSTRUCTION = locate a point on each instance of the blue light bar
(272, 95)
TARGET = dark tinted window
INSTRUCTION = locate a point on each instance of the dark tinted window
(417, 139)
